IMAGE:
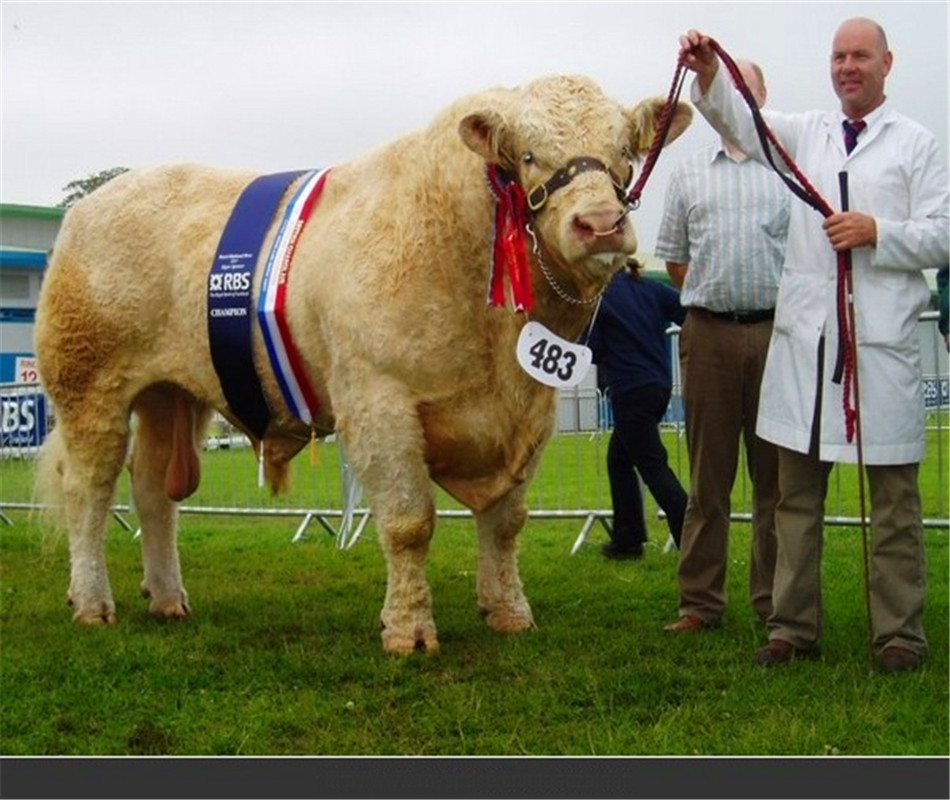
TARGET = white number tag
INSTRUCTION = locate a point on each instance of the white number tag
(548, 358)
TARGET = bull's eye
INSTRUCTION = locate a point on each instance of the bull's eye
(528, 157)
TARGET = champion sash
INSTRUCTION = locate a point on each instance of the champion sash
(230, 284)
(284, 356)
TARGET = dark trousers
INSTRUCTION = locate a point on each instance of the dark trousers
(635, 447)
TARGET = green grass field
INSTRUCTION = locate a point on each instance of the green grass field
(282, 654)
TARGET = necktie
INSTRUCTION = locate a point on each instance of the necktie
(851, 131)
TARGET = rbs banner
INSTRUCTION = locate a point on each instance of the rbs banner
(22, 419)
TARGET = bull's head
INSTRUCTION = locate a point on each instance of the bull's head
(572, 149)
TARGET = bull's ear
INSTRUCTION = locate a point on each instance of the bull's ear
(645, 116)
(484, 133)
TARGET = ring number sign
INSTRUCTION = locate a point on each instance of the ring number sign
(548, 358)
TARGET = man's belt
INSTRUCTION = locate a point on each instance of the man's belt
(742, 317)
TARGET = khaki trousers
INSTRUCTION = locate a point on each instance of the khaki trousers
(722, 363)
(897, 571)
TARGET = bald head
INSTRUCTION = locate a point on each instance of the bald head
(755, 80)
(860, 63)
(866, 25)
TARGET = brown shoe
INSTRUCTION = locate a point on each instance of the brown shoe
(687, 624)
(778, 651)
(898, 659)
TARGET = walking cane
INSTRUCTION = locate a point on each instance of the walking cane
(853, 346)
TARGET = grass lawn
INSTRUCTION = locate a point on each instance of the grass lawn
(282, 656)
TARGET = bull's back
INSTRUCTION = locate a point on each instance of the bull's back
(127, 276)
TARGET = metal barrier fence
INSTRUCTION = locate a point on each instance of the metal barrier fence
(840, 506)
(571, 482)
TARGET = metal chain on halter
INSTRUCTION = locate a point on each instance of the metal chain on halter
(550, 278)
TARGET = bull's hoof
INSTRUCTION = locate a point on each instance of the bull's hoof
(174, 605)
(407, 645)
(509, 621)
(92, 614)
(106, 616)
(169, 610)
(171, 606)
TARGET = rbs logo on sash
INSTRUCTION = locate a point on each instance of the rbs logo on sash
(22, 420)
(230, 282)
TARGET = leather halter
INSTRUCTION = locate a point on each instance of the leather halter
(539, 195)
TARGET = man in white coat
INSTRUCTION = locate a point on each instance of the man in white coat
(898, 228)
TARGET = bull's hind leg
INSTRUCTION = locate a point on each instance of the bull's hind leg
(95, 451)
(500, 595)
(165, 469)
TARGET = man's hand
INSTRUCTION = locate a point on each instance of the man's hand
(850, 229)
(697, 54)
(677, 273)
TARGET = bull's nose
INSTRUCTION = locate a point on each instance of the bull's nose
(602, 222)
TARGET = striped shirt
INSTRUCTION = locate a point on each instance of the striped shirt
(728, 220)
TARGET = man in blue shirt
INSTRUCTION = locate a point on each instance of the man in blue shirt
(631, 350)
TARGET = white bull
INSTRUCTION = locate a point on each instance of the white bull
(386, 302)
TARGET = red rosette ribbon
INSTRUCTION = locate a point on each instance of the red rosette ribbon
(509, 246)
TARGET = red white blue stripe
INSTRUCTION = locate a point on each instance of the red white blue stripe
(285, 358)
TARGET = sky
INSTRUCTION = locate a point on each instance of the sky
(284, 85)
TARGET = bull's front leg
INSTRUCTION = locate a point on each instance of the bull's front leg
(500, 595)
(407, 622)
(385, 446)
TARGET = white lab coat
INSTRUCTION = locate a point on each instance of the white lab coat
(895, 174)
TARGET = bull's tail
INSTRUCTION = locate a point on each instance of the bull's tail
(48, 489)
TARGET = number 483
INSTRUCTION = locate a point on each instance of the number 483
(553, 359)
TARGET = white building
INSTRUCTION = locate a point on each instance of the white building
(27, 234)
